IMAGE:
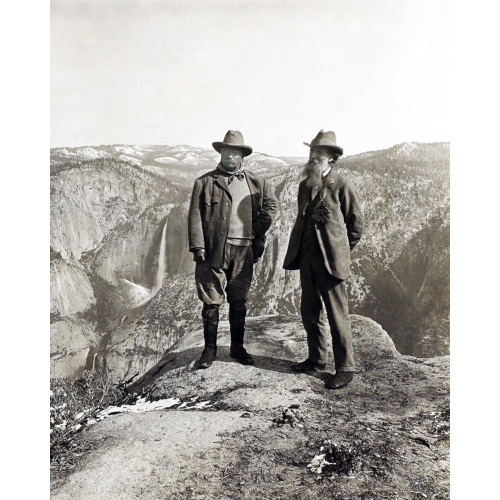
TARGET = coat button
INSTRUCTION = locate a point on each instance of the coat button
(225, 204)
(222, 232)
(223, 218)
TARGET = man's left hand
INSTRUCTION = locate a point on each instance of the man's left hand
(258, 245)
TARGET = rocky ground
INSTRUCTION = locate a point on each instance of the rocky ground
(261, 431)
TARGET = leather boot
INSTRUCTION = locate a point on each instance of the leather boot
(210, 317)
(237, 315)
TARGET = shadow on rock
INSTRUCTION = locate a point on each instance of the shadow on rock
(188, 359)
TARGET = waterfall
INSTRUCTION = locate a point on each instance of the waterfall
(137, 295)
(162, 264)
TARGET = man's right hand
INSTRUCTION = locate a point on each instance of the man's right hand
(199, 255)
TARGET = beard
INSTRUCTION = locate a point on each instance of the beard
(313, 173)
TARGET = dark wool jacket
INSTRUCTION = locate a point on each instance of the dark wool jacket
(210, 212)
(336, 237)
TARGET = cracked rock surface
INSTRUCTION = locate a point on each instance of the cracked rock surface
(386, 435)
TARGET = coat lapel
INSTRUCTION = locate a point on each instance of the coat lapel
(331, 178)
(221, 181)
(252, 183)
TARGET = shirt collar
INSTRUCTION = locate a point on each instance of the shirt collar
(227, 172)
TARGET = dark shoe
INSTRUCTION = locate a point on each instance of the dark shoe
(240, 354)
(341, 379)
(207, 357)
(308, 366)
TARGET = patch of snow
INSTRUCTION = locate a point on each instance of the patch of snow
(266, 159)
(91, 153)
(201, 404)
(139, 407)
(130, 150)
(142, 406)
(193, 159)
(167, 159)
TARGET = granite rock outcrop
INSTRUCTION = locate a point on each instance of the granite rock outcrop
(265, 432)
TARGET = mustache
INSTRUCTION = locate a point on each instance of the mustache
(312, 167)
(313, 173)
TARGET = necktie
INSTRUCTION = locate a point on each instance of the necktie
(238, 175)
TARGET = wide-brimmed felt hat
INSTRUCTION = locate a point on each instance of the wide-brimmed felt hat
(326, 140)
(233, 139)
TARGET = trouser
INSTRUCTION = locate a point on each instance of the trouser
(233, 280)
(317, 285)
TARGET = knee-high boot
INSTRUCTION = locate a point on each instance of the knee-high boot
(210, 315)
(237, 316)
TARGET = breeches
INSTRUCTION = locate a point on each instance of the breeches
(233, 280)
(320, 287)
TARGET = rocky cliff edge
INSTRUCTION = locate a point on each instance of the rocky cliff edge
(261, 431)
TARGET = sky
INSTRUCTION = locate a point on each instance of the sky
(185, 72)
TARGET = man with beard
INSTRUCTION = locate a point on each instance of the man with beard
(231, 210)
(329, 224)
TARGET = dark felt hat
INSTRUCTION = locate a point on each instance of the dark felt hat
(326, 140)
(233, 139)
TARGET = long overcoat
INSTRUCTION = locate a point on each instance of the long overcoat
(336, 237)
(210, 212)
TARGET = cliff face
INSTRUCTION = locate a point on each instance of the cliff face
(109, 206)
(72, 340)
(411, 296)
(262, 431)
(107, 217)
(71, 290)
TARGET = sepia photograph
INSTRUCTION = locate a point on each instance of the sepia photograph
(250, 249)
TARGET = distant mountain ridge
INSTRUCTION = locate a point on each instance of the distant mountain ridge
(109, 205)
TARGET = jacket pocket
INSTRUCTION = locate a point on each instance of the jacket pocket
(342, 262)
(208, 208)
